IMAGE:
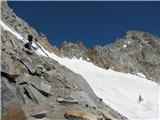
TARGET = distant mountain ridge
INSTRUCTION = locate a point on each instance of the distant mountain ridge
(136, 52)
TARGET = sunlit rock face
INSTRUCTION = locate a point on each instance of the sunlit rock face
(136, 52)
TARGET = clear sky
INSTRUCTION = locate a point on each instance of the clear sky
(90, 22)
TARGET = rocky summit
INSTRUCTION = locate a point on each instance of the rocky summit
(35, 87)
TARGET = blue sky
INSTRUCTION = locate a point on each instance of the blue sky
(90, 22)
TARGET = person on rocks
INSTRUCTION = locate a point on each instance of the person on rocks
(29, 44)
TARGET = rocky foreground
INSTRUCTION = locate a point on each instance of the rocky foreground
(38, 88)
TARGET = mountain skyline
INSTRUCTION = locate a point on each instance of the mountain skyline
(92, 23)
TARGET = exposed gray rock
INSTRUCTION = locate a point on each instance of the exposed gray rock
(71, 84)
(8, 69)
(39, 71)
(24, 78)
(35, 95)
(47, 66)
(52, 75)
(31, 67)
(83, 98)
(10, 76)
(11, 102)
(39, 115)
(43, 87)
(80, 81)
(28, 51)
(136, 52)
(67, 100)
(82, 115)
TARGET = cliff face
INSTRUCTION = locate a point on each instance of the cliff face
(36, 87)
(136, 52)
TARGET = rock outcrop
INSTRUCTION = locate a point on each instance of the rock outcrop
(36, 87)
(136, 52)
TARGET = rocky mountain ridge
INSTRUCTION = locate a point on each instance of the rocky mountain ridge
(39, 88)
(36, 87)
(136, 52)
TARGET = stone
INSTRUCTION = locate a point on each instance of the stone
(42, 87)
(14, 112)
(31, 67)
(28, 51)
(14, 56)
(23, 78)
(11, 108)
(47, 66)
(63, 100)
(80, 82)
(83, 98)
(52, 75)
(71, 84)
(35, 95)
(81, 115)
(45, 88)
(8, 69)
(39, 115)
(108, 116)
(39, 71)
(8, 44)
(10, 76)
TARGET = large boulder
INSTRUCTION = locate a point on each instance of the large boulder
(43, 87)
(28, 63)
(35, 95)
(8, 68)
(81, 115)
(12, 108)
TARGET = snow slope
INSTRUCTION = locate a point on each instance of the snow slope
(118, 90)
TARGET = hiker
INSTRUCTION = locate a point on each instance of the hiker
(140, 99)
(29, 44)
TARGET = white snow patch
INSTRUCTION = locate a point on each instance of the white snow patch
(125, 46)
(118, 90)
(129, 42)
(141, 75)
(6, 28)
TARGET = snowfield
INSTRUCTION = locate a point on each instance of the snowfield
(118, 90)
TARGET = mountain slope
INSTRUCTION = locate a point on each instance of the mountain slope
(118, 90)
(136, 52)
(35, 86)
